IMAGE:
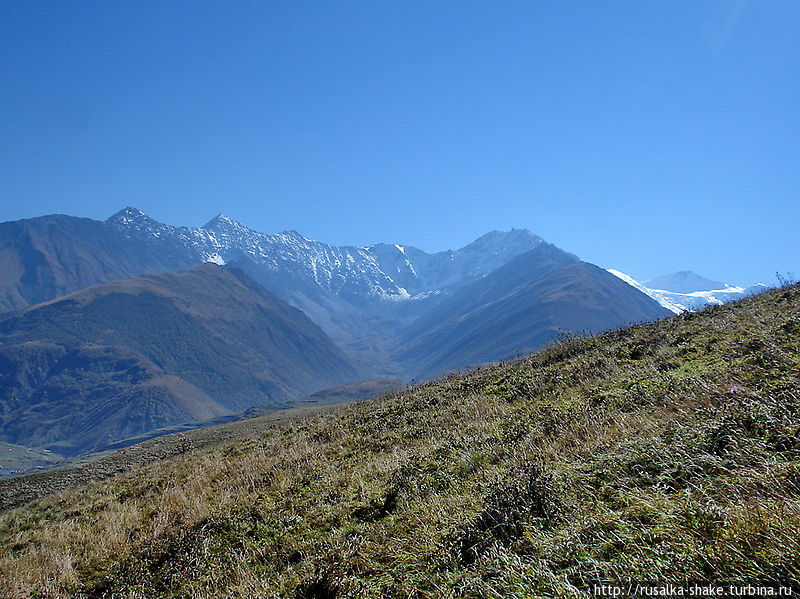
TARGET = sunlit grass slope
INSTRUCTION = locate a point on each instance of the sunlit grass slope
(666, 451)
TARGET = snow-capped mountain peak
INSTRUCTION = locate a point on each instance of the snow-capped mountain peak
(696, 292)
(132, 220)
(128, 216)
(384, 271)
(223, 222)
(390, 271)
(684, 281)
(504, 241)
(292, 234)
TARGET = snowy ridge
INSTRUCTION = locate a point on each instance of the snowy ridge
(391, 272)
(697, 300)
(694, 300)
(421, 272)
(387, 272)
(664, 301)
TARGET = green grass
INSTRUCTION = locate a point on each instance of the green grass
(668, 451)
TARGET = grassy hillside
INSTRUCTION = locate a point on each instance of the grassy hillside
(667, 451)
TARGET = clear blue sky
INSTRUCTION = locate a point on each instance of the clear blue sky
(646, 136)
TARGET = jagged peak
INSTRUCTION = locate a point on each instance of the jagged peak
(294, 234)
(513, 232)
(127, 215)
(223, 221)
(494, 238)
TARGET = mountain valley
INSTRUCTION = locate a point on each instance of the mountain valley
(95, 351)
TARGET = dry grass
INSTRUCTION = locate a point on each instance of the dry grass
(664, 451)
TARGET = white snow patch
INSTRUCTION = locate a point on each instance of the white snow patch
(402, 295)
(216, 259)
(663, 301)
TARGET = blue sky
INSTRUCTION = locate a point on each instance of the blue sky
(646, 136)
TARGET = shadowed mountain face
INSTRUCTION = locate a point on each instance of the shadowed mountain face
(82, 398)
(520, 307)
(121, 358)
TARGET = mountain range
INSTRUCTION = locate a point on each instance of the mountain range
(364, 298)
(113, 328)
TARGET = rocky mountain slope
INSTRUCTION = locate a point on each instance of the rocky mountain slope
(361, 296)
(118, 359)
